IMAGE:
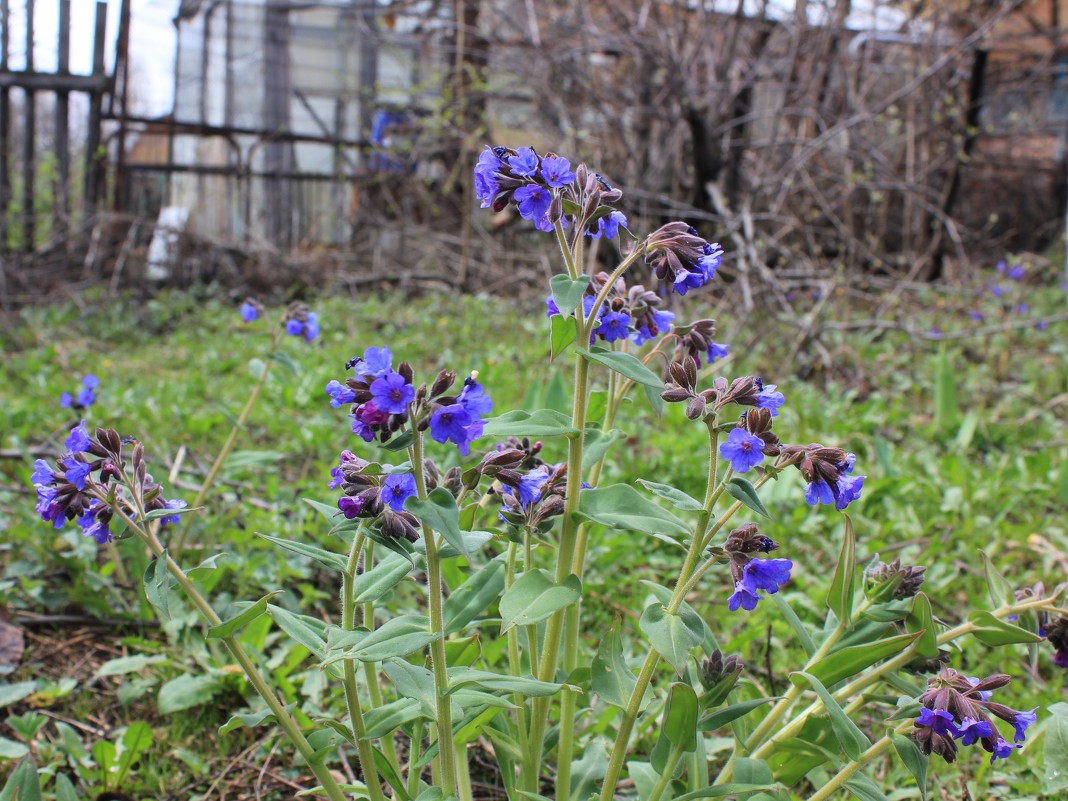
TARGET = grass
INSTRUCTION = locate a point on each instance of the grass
(964, 442)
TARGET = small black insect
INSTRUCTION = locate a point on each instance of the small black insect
(352, 362)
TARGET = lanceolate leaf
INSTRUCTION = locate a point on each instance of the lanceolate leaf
(535, 596)
(676, 497)
(470, 600)
(157, 586)
(914, 760)
(253, 611)
(439, 512)
(323, 557)
(1001, 592)
(991, 630)
(920, 620)
(622, 506)
(741, 490)
(625, 364)
(850, 661)
(542, 423)
(721, 717)
(680, 717)
(840, 597)
(851, 738)
(380, 579)
(397, 637)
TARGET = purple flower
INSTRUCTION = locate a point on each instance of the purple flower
(533, 201)
(938, 720)
(1022, 308)
(717, 350)
(48, 508)
(849, 488)
(1016, 272)
(686, 280)
(249, 312)
(350, 507)
(759, 574)
(365, 419)
(486, 186)
(76, 472)
(86, 397)
(176, 503)
(90, 381)
(376, 362)
(531, 484)
(309, 328)
(770, 399)
(397, 489)
(524, 162)
(608, 226)
(42, 473)
(1022, 722)
(743, 450)
(971, 730)
(997, 291)
(976, 315)
(391, 393)
(474, 399)
(614, 326)
(450, 424)
(819, 492)
(78, 441)
(337, 478)
(66, 400)
(711, 260)
(1002, 750)
(1060, 658)
(340, 395)
(662, 321)
(1001, 266)
(743, 598)
(556, 171)
(93, 527)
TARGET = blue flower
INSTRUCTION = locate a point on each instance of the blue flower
(76, 472)
(397, 489)
(759, 574)
(176, 503)
(42, 473)
(608, 226)
(1002, 750)
(93, 526)
(367, 419)
(938, 720)
(971, 730)
(376, 362)
(711, 259)
(718, 350)
(249, 312)
(90, 381)
(350, 507)
(486, 186)
(474, 399)
(685, 280)
(1016, 272)
(524, 163)
(86, 397)
(849, 488)
(307, 328)
(1022, 722)
(78, 441)
(557, 171)
(48, 508)
(819, 492)
(530, 485)
(391, 393)
(451, 424)
(533, 201)
(743, 450)
(66, 400)
(770, 399)
(614, 326)
(340, 395)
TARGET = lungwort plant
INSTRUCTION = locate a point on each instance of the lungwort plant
(436, 489)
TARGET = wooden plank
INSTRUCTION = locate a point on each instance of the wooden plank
(5, 128)
(62, 133)
(93, 164)
(29, 145)
(50, 82)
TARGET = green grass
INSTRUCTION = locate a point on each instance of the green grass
(964, 443)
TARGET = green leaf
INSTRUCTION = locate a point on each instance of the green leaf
(535, 596)
(439, 512)
(946, 409)
(680, 717)
(413, 681)
(209, 564)
(730, 788)
(562, 332)
(372, 584)
(588, 772)
(671, 635)
(676, 497)
(471, 598)
(795, 623)
(252, 719)
(622, 506)
(840, 596)
(652, 394)
(137, 739)
(503, 682)
(13, 693)
(850, 738)
(920, 620)
(752, 771)
(729, 714)
(332, 560)
(848, 662)
(64, 789)
(741, 490)
(1001, 592)
(22, 784)
(397, 637)
(625, 364)
(567, 294)
(285, 361)
(597, 444)
(187, 691)
(155, 514)
(540, 423)
(12, 749)
(1055, 750)
(386, 719)
(400, 442)
(864, 789)
(913, 758)
(308, 631)
(610, 677)
(253, 611)
(129, 664)
(158, 587)
(991, 630)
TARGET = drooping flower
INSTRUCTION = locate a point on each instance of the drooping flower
(350, 507)
(299, 321)
(743, 450)
(608, 226)
(76, 472)
(1021, 722)
(174, 503)
(340, 395)
(78, 441)
(42, 473)
(970, 729)
(396, 489)
(94, 523)
(391, 393)
(718, 350)
(938, 720)
(486, 185)
(759, 574)
(451, 424)
(770, 398)
(1002, 749)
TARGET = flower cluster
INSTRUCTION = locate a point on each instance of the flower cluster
(681, 259)
(632, 313)
(379, 496)
(384, 400)
(957, 708)
(545, 190)
(750, 574)
(745, 391)
(251, 310)
(84, 398)
(300, 321)
(828, 472)
(68, 490)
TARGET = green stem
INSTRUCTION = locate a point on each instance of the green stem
(624, 265)
(285, 720)
(446, 753)
(352, 696)
(850, 770)
(565, 251)
(665, 777)
(370, 669)
(414, 748)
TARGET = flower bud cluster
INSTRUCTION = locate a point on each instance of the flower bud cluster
(718, 675)
(546, 191)
(1057, 634)
(681, 259)
(828, 473)
(371, 494)
(90, 482)
(750, 574)
(957, 708)
(532, 498)
(695, 341)
(299, 321)
(384, 400)
(632, 313)
(885, 582)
